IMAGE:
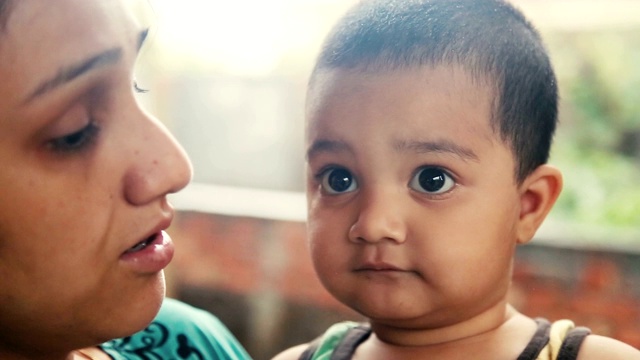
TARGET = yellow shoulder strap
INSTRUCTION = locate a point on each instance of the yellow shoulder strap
(558, 332)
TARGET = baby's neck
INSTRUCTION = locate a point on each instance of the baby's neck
(485, 322)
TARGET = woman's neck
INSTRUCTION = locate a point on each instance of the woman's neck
(91, 353)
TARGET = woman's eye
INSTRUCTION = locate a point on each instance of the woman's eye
(432, 180)
(338, 181)
(76, 141)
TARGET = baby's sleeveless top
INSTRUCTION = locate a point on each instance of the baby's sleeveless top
(560, 341)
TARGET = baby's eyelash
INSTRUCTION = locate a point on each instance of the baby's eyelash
(324, 170)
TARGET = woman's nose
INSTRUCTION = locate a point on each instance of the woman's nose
(159, 165)
(379, 218)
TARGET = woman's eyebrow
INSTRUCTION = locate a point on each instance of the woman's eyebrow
(74, 71)
(67, 74)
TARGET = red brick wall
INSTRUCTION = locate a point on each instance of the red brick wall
(260, 259)
(597, 289)
(228, 253)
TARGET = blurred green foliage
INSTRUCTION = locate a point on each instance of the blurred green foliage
(598, 142)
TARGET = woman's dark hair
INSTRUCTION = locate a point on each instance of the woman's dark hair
(4, 13)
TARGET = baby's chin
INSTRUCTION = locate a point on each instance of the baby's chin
(400, 317)
(406, 317)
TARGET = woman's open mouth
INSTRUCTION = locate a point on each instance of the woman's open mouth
(150, 255)
(142, 244)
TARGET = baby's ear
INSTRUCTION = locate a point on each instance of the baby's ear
(538, 192)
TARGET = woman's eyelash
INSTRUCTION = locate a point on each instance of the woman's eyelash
(76, 141)
(138, 89)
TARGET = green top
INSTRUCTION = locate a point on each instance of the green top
(180, 331)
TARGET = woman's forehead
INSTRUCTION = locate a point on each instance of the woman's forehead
(43, 38)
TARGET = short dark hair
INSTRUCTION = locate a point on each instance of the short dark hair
(489, 38)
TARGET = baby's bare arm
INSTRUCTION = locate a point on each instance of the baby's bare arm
(291, 353)
(599, 347)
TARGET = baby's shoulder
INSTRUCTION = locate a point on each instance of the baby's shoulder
(600, 347)
(343, 337)
(292, 353)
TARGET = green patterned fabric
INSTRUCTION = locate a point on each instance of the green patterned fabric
(179, 332)
(331, 338)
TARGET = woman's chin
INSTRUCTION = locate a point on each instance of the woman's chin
(139, 311)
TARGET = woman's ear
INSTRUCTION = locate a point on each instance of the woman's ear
(538, 192)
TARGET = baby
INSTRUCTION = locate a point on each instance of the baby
(429, 124)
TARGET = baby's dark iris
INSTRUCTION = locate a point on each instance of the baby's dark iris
(339, 180)
(432, 179)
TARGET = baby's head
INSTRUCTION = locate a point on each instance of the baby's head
(428, 127)
(489, 39)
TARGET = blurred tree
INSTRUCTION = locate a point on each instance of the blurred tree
(598, 142)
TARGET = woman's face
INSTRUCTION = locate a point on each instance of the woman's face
(83, 180)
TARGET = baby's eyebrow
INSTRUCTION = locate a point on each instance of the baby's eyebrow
(438, 146)
(327, 146)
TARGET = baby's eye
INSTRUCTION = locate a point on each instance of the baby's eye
(432, 180)
(338, 181)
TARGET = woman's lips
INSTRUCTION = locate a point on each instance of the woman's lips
(150, 255)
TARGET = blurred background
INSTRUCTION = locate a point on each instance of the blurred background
(228, 78)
